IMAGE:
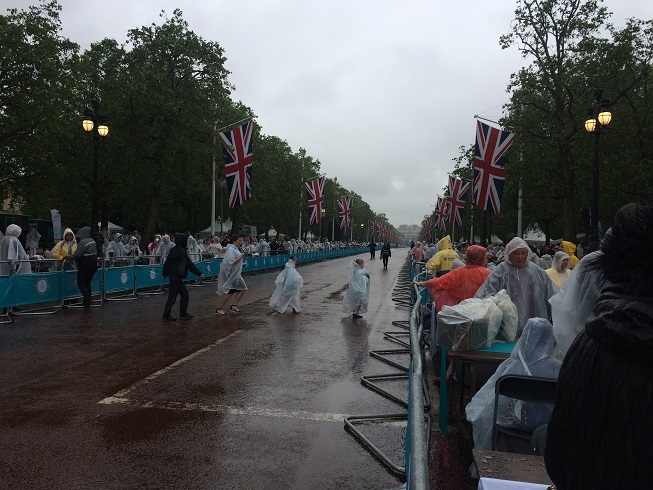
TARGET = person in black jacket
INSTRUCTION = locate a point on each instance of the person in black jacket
(176, 268)
(86, 257)
(385, 254)
(599, 435)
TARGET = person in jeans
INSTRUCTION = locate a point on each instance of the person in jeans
(176, 268)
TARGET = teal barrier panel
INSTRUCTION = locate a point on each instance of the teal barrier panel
(119, 279)
(149, 276)
(28, 289)
(6, 296)
(210, 268)
(70, 289)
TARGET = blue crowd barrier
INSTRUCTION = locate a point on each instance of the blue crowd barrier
(126, 280)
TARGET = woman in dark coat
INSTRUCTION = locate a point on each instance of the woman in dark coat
(385, 254)
(601, 431)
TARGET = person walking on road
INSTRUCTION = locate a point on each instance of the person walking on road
(230, 279)
(288, 291)
(372, 250)
(176, 268)
(86, 257)
(358, 290)
(385, 254)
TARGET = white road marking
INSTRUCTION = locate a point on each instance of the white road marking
(115, 398)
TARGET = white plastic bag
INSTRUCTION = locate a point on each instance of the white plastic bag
(470, 325)
(510, 323)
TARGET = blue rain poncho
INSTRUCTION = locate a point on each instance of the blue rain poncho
(358, 291)
(529, 287)
(231, 269)
(288, 290)
(532, 356)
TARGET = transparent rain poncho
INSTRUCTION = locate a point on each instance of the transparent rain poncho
(358, 292)
(288, 290)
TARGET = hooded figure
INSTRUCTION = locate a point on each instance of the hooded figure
(443, 259)
(462, 282)
(13, 259)
(600, 432)
(165, 247)
(230, 279)
(527, 284)
(32, 240)
(532, 356)
(193, 249)
(86, 258)
(153, 249)
(358, 291)
(288, 290)
(116, 248)
(176, 268)
(569, 248)
(132, 249)
(559, 270)
(66, 247)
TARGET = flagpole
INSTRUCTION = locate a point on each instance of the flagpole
(232, 124)
(302, 153)
(213, 188)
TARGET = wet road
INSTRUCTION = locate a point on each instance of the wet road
(113, 397)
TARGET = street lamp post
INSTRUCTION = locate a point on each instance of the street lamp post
(322, 224)
(599, 115)
(97, 124)
(302, 153)
(362, 230)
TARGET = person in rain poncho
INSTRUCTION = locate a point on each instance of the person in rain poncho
(86, 257)
(570, 249)
(527, 284)
(214, 247)
(13, 259)
(559, 270)
(288, 290)
(132, 249)
(443, 259)
(153, 249)
(32, 240)
(599, 435)
(462, 282)
(193, 249)
(532, 356)
(358, 291)
(165, 247)
(116, 248)
(65, 247)
(230, 279)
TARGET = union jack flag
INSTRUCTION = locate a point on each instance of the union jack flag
(441, 213)
(237, 151)
(457, 197)
(489, 166)
(315, 191)
(345, 212)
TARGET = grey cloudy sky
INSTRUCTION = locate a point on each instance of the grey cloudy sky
(382, 92)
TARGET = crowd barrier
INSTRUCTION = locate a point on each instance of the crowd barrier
(117, 279)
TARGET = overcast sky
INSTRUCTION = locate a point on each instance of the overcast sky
(382, 92)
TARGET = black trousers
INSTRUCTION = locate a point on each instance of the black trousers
(177, 287)
(385, 260)
(86, 268)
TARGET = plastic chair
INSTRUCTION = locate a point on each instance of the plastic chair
(525, 388)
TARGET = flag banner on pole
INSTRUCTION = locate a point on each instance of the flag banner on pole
(345, 212)
(237, 151)
(315, 191)
(441, 212)
(489, 166)
(457, 197)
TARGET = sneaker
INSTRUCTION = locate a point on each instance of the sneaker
(169, 318)
(185, 317)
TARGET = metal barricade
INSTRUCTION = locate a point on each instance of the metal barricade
(119, 277)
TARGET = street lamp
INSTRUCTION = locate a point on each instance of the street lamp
(322, 223)
(302, 153)
(598, 116)
(97, 124)
(362, 230)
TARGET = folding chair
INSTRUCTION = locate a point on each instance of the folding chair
(525, 388)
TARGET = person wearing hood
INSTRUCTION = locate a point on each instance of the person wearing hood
(357, 297)
(288, 290)
(65, 247)
(599, 435)
(86, 257)
(13, 259)
(386, 253)
(531, 356)
(193, 248)
(441, 262)
(230, 278)
(176, 268)
(559, 270)
(132, 249)
(153, 249)
(527, 284)
(165, 248)
(116, 248)
(570, 249)
(32, 240)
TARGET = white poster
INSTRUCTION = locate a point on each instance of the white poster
(56, 224)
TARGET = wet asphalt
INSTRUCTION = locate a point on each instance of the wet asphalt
(113, 397)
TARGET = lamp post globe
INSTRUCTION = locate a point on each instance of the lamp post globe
(96, 124)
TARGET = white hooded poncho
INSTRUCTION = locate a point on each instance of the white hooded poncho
(13, 259)
(358, 291)
(288, 290)
(230, 276)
